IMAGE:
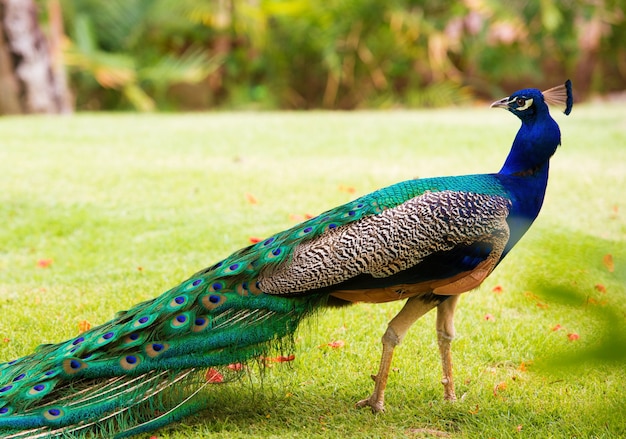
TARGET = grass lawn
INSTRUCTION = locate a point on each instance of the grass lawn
(99, 212)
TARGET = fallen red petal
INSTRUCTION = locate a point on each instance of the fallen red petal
(556, 327)
(499, 387)
(497, 289)
(213, 376)
(44, 263)
(251, 198)
(254, 239)
(347, 189)
(83, 326)
(281, 358)
(601, 288)
(489, 317)
(235, 366)
(337, 344)
(572, 336)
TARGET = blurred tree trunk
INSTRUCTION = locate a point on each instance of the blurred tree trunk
(29, 80)
(223, 45)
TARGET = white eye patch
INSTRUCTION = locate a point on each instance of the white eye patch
(522, 103)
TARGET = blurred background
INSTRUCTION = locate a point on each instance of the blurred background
(60, 56)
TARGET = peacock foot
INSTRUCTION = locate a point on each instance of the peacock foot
(448, 389)
(377, 405)
(449, 396)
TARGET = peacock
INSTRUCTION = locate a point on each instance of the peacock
(425, 241)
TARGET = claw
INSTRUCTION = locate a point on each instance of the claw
(376, 406)
(448, 389)
(449, 396)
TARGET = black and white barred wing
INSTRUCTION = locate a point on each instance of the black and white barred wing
(460, 230)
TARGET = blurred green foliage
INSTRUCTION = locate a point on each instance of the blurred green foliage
(148, 54)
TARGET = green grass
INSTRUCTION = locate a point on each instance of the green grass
(127, 206)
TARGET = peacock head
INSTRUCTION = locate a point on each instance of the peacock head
(529, 102)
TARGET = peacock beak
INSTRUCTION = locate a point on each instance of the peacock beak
(502, 103)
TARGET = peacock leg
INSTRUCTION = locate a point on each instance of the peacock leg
(413, 309)
(445, 334)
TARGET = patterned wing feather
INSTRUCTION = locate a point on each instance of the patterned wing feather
(397, 240)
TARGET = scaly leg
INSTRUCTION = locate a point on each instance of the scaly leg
(445, 334)
(413, 309)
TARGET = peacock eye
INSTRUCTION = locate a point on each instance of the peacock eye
(520, 102)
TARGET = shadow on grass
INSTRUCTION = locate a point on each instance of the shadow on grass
(586, 273)
(609, 349)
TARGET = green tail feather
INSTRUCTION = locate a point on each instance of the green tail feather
(118, 375)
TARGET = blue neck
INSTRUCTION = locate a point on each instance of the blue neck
(534, 144)
(525, 171)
